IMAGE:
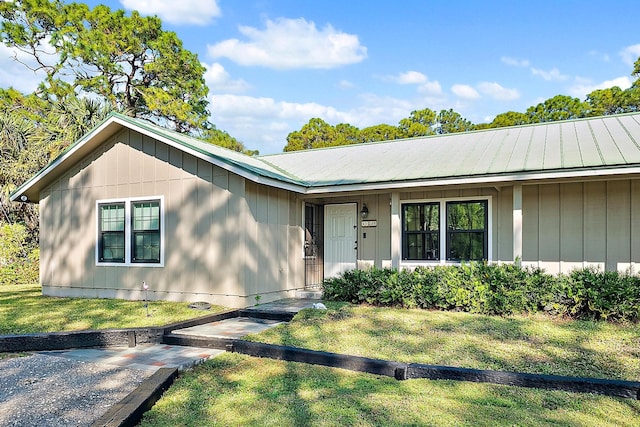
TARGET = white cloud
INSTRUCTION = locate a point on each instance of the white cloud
(584, 87)
(514, 62)
(411, 78)
(239, 106)
(219, 80)
(465, 91)
(264, 123)
(16, 67)
(553, 74)
(498, 92)
(630, 54)
(13, 74)
(192, 12)
(346, 84)
(416, 78)
(432, 88)
(291, 43)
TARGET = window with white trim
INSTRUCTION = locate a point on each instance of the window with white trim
(459, 229)
(130, 231)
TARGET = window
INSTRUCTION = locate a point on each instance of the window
(467, 231)
(145, 233)
(421, 231)
(461, 233)
(130, 232)
(111, 240)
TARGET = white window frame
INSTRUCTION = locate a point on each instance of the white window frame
(443, 229)
(128, 203)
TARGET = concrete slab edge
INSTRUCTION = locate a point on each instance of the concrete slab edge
(129, 411)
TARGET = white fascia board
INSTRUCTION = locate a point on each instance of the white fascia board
(489, 180)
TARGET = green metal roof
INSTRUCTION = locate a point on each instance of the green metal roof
(581, 146)
(602, 142)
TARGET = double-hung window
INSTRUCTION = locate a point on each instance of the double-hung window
(467, 234)
(145, 233)
(111, 240)
(130, 232)
(451, 230)
(421, 227)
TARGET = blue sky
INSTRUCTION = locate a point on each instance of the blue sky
(273, 65)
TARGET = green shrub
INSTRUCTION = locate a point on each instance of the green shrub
(497, 289)
(603, 294)
(18, 262)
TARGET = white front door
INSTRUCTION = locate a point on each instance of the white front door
(340, 238)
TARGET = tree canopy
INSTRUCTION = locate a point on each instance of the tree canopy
(317, 133)
(93, 61)
(32, 132)
(130, 62)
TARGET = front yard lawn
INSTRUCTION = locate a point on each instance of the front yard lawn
(534, 344)
(23, 310)
(238, 390)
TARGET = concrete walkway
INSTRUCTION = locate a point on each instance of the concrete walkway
(237, 327)
(154, 356)
(144, 356)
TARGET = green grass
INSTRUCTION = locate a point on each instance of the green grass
(533, 344)
(23, 309)
(236, 390)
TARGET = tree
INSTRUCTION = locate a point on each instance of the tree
(636, 72)
(223, 139)
(449, 121)
(609, 101)
(510, 118)
(560, 107)
(419, 123)
(129, 61)
(347, 134)
(32, 133)
(382, 132)
(315, 134)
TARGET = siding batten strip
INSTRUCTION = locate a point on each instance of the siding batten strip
(517, 223)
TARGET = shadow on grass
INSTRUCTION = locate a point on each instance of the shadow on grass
(24, 310)
(237, 390)
(523, 344)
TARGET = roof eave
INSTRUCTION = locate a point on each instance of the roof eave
(32, 187)
(110, 126)
(475, 180)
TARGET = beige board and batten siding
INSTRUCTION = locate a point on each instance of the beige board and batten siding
(374, 245)
(575, 225)
(226, 240)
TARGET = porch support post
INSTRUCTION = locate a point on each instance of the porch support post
(517, 223)
(396, 230)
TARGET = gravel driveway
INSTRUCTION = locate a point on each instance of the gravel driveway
(44, 391)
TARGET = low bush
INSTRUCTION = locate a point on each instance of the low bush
(18, 262)
(498, 289)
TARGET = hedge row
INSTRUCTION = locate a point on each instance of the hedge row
(498, 289)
